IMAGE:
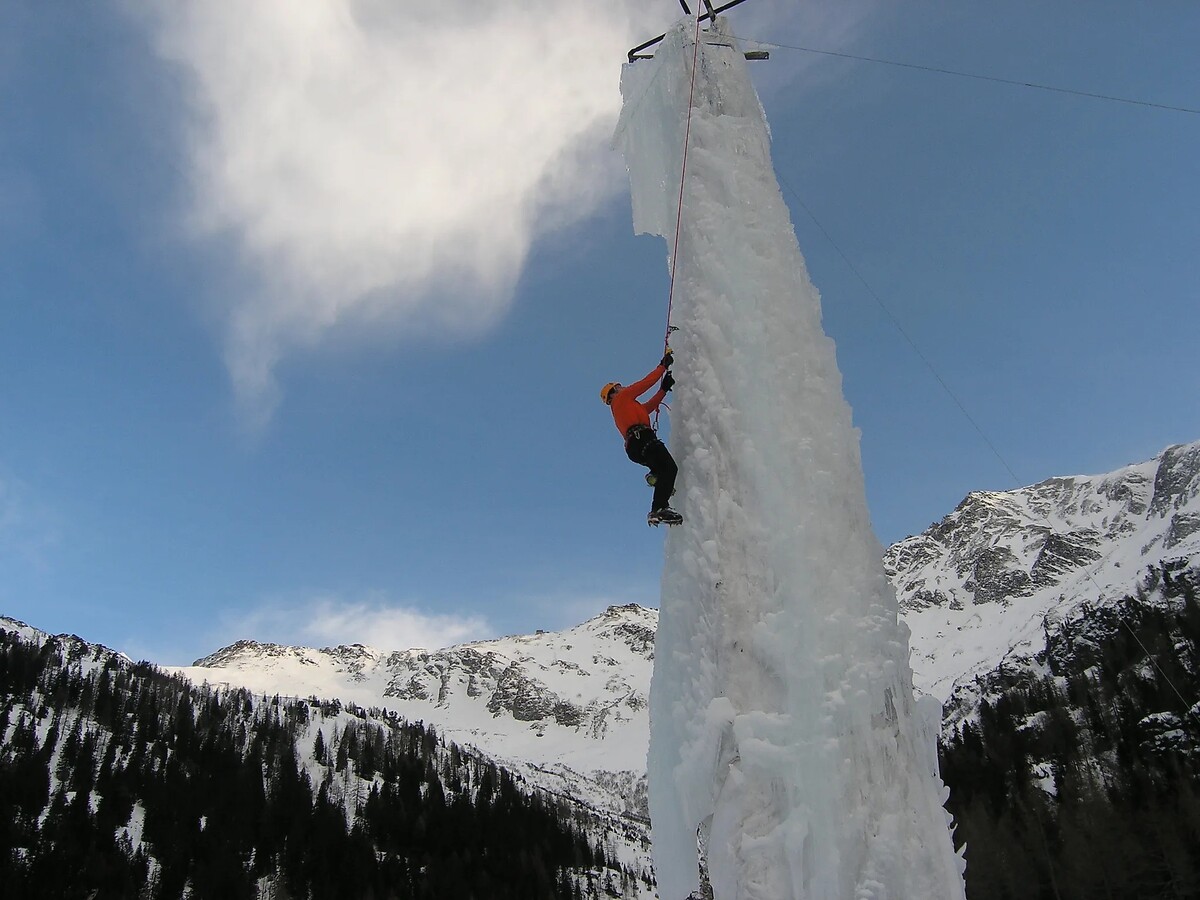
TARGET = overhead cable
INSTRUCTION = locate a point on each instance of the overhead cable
(940, 71)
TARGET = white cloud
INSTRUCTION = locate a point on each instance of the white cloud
(328, 621)
(384, 165)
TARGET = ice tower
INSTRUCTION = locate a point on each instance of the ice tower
(785, 740)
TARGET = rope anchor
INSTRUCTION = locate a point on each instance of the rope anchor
(711, 13)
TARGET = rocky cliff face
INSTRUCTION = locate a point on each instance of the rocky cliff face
(976, 586)
(516, 684)
(570, 705)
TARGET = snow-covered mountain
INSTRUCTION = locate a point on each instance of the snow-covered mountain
(984, 591)
(983, 585)
(568, 709)
(119, 774)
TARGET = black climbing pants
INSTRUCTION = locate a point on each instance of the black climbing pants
(644, 448)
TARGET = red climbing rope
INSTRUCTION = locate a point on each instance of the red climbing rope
(682, 176)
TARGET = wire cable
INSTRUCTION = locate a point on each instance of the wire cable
(1011, 81)
(900, 328)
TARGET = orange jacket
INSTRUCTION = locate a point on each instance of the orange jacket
(626, 409)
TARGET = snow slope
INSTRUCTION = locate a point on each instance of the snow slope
(54, 715)
(979, 587)
(784, 733)
(947, 579)
(568, 708)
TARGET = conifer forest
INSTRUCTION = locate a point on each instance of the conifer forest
(1074, 778)
(1080, 781)
(120, 781)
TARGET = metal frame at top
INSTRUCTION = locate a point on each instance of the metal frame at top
(710, 14)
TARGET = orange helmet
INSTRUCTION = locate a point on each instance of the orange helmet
(608, 390)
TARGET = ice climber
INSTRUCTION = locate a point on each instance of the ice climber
(641, 443)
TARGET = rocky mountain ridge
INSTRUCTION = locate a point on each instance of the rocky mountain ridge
(978, 590)
(977, 587)
(121, 777)
(992, 587)
(567, 709)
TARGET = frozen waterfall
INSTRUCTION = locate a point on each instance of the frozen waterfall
(783, 726)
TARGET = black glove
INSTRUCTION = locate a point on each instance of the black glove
(668, 382)
(668, 358)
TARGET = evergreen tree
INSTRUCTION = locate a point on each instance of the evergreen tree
(1118, 816)
(163, 789)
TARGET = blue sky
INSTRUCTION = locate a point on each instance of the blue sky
(303, 319)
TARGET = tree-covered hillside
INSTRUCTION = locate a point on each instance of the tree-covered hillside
(119, 781)
(1080, 777)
